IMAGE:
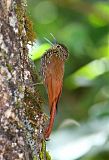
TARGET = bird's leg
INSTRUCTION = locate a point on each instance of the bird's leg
(39, 83)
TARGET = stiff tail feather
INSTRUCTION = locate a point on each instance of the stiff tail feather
(52, 117)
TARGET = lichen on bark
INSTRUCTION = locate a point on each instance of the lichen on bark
(21, 118)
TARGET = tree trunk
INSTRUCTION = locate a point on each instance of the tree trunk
(21, 119)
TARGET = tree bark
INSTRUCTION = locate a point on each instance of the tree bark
(21, 119)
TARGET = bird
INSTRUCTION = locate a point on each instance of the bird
(52, 71)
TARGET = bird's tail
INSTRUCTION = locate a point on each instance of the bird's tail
(52, 116)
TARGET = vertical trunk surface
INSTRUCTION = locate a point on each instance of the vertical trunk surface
(21, 119)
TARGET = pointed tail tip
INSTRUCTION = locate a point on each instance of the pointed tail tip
(47, 134)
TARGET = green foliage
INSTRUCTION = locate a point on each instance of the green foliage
(84, 28)
(37, 52)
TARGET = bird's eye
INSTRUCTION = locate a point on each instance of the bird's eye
(58, 46)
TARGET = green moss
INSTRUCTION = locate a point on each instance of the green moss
(10, 68)
(34, 158)
(29, 29)
(44, 153)
(48, 157)
(34, 75)
(24, 25)
(32, 99)
(20, 14)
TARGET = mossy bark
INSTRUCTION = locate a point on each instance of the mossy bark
(21, 120)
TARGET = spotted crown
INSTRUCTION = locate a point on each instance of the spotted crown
(58, 50)
(63, 51)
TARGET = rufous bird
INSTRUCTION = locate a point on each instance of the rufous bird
(52, 71)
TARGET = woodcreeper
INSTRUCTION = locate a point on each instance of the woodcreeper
(52, 71)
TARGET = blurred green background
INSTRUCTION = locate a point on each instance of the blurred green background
(81, 129)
